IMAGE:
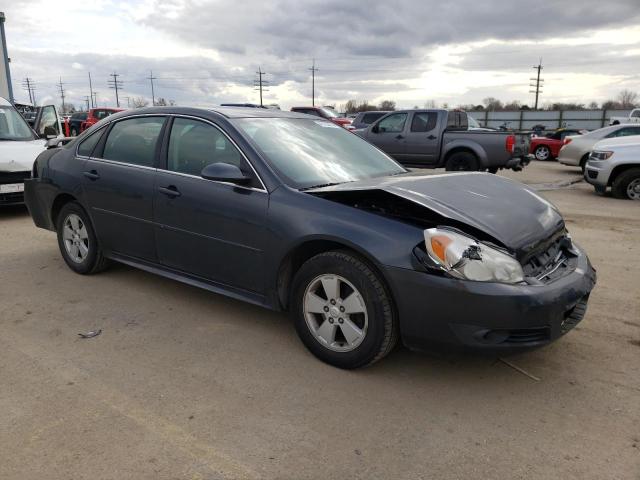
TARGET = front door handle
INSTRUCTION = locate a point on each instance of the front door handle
(92, 175)
(170, 191)
(399, 137)
(432, 137)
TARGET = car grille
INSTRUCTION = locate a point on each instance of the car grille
(11, 198)
(593, 174)
(551, 263)
(14, 177)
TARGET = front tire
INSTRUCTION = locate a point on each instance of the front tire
(627, 185)
(542, 153)
(462, 162)
(583, 161)
(74, 132)
(342, 311)
(77, 240)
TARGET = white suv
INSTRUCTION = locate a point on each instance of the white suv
(615, 163)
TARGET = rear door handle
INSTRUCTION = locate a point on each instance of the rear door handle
(170, 191)
(399, 137)
(92, 175)
(432, 137)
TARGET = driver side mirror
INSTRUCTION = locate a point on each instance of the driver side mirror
(49, 133)
(224, 172)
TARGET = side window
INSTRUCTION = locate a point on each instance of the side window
(133, 140)
(393, 123)
(635, 114)
(369, 118)
(48, 122)
(424, 122)
(193, 145)
(88, 144)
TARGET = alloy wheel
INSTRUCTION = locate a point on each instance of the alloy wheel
(633, 189)
(335, 313)
(76, 238)
(542, 153)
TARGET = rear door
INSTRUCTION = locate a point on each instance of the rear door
(388, 134)
(423, 139)
(209, 229)
(118, 186)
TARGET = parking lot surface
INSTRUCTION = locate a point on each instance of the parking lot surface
(183, 383)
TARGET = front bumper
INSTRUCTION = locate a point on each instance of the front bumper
(489, 317)
(12, 178)
(597, 173)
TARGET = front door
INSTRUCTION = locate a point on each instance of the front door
(210, 229)
(119, 186)
(388, 135)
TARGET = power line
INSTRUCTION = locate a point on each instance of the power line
(313, 83)
(260, 84)
(538, 83)
(115, 84)
(151, 78)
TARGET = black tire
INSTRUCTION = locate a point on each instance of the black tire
(74, 132)
(615, 122)
(620, 185)
(462, 162)
(583, 161)
(542, 153)
(94, 261)
(493, 170)
(381, 333)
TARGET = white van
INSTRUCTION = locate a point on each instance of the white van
(20, 145)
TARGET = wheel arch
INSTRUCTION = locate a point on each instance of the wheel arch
(457, 147)
(310, 247)
(617, 170)
(60, 201)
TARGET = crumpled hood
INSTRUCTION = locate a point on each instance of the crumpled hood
(19, 156)
(506, 210)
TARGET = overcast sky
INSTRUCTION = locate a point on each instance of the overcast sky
(206, 52)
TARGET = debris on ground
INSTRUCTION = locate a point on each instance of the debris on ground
(519, 369)
(91, 334)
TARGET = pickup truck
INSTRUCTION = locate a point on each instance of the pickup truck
(442, 138)
(634, 117)
(20, 145)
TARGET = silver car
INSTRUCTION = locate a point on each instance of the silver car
(615, 163)
(576, 149)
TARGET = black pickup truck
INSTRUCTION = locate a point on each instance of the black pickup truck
(442, 138)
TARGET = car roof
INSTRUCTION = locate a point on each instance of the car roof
(227, 112)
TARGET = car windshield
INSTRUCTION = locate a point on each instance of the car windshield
(329, 113)
(13, 126)
(309, 153)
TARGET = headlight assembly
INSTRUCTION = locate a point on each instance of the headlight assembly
(465, 258)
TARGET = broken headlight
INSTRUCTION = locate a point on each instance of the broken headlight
(465, 258)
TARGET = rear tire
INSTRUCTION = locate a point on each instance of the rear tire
(462, 162)
(583, 161)
(74, 132)
(493, 170)
(77, 240)
(334, 292)
(627, 185)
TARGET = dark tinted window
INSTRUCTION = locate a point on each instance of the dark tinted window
(193, 145)
(625, 132)
(393, 123)
(88, 144)
(133, 140)
(308, 111)
(369, 118)
(424, 122)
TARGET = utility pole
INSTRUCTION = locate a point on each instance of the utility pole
(6, 89)
(60, 86)
(30, 86)
(91, 92)
(151, 78)
(95, 99)
(260, 84)
(538, 83)
(313, 83)
(128, 102)
(86, 99)
(115, 84)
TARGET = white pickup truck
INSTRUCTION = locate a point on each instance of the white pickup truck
(634, 117)
(20, 145)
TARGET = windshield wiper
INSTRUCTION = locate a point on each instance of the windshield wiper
(321, 186)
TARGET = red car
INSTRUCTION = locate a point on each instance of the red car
(97, 114)
(324, 112)
(547, 147)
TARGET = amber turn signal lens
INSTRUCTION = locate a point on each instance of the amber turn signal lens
(439, 245)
